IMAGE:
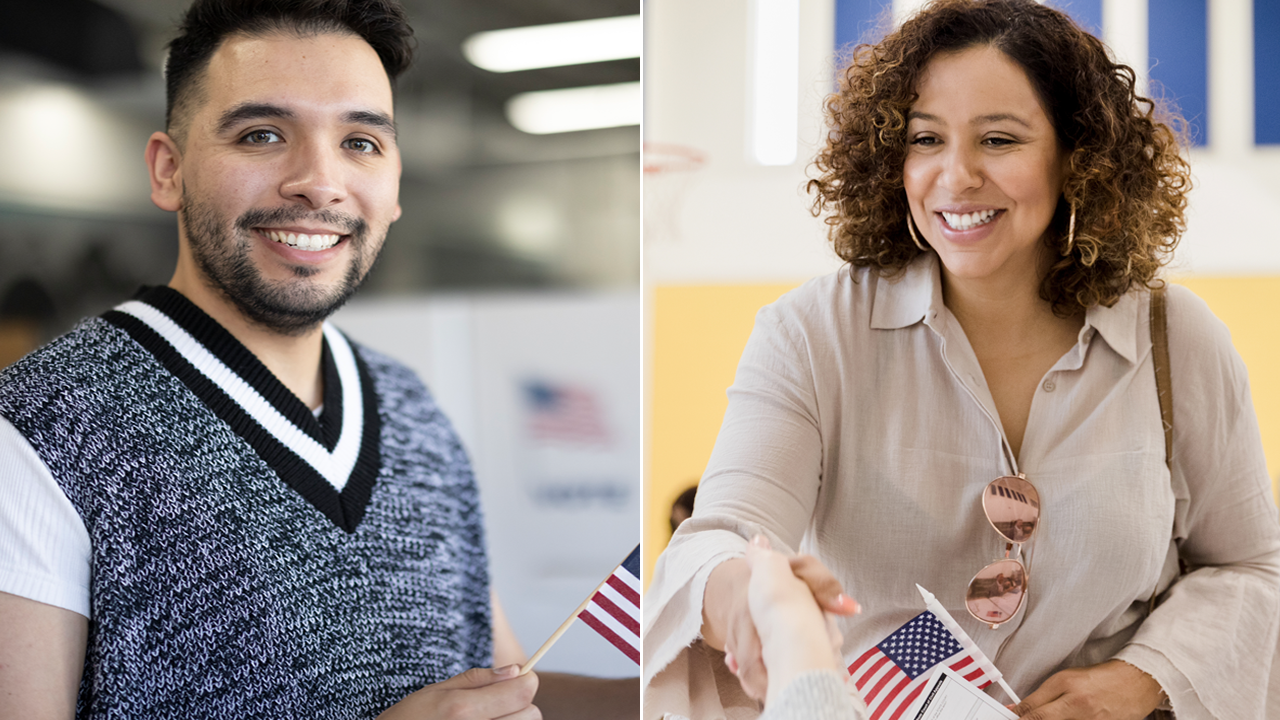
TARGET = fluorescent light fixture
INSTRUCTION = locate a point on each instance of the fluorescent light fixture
(775, 76)
(584, 108)
(76, 164)
(540, 46)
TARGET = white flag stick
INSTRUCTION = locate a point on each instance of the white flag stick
(932, 605)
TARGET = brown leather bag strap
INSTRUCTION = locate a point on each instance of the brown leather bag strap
(1160, 359)
(1164, 390)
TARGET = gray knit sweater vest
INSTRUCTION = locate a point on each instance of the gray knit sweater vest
(229, 578)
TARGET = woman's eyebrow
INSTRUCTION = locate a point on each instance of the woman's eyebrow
(999, 117)
(980, 120)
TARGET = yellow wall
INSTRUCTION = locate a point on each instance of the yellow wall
(699, 332)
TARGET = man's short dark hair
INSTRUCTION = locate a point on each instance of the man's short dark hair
(381, 23)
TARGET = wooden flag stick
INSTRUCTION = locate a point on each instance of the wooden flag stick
(561, 630)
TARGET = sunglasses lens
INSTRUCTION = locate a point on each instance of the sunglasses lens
(1013, 507)
(996, 592)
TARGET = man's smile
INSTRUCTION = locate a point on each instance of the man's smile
(302, 239)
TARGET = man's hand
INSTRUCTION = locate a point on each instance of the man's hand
(477, 694)
(727, 624)
(1113, 690)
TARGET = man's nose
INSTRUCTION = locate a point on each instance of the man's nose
(315, 176)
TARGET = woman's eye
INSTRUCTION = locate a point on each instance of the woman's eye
(925, 140)
(261, 137)
(999, 141)
(361, 145)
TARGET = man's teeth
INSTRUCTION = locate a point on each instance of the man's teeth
(966, 221)
(304, 242)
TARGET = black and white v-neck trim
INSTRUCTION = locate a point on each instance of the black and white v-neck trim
(332, 461)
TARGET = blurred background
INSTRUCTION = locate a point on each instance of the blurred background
(510, 283)
(733, 97)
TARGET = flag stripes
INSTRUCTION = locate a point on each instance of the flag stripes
(614, 609)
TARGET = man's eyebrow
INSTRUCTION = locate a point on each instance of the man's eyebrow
(251, 111)
(371, 118)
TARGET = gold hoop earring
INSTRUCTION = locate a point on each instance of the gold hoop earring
(912, 231)
(1071, 231)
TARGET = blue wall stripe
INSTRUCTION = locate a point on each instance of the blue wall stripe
(1177, 42)
(1266, 72)
(856, 18)
(1086, 13)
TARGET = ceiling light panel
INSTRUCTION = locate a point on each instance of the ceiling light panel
(541, 46)
(585, 108)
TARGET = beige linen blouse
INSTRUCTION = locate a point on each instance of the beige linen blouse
(860, 429)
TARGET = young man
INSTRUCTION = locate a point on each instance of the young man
(211, 503)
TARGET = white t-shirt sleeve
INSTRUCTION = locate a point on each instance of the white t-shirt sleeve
(44, 547)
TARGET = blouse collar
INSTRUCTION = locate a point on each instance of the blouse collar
(916, 295)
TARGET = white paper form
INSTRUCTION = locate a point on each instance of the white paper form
(950, 697)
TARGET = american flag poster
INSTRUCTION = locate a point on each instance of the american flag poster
(890, 676)
(614, 608)
(562, 412)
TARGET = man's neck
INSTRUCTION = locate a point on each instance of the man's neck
(293, 359)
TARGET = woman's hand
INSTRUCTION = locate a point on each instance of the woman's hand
(1113, 690)
(726, 616)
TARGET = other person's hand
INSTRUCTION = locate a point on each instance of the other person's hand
(728, 625)
(1113, 690)
(477, 694)
(795, 634)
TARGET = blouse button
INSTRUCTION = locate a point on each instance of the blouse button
(1048, 386)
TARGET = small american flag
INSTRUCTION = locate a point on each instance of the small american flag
(891, 675)
(614, 609)
(564, 413)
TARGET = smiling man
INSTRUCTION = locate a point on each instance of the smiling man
(211, 503)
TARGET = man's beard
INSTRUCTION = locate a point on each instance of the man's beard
(223, 253)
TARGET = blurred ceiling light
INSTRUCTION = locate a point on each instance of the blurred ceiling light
(775, 88)
(531, 225)
(585, 108)
(65, 152)
(540, 46)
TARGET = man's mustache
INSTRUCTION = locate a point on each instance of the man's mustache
(348, 224)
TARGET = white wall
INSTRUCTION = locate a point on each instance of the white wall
(738, 222)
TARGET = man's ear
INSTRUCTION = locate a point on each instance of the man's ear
(164, 165)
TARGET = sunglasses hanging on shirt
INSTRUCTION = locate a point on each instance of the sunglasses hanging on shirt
(1012, 506)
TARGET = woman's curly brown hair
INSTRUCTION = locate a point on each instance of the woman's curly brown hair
(1127, 180)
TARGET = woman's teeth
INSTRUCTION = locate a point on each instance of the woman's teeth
(966, 221)
(303, 242)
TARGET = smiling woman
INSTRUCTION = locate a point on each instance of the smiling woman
(1003, 199)
(984, 170)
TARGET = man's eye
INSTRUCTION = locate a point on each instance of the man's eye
(361, 145)
(261, 137)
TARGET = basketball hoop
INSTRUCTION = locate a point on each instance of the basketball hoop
(668, 173)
